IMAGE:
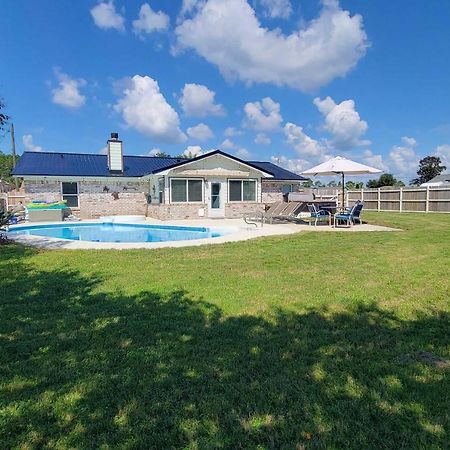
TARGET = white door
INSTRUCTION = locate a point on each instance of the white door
(216, 198)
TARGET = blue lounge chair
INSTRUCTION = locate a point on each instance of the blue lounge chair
(318, 215)
(351, 215)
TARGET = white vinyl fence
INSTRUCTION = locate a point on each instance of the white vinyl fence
(414, 199)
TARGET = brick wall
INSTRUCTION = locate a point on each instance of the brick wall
(95, 198)
(184, 211)
(190, 211)
(94, 205)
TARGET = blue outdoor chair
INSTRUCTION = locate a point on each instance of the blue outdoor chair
(318, 215)
(351, 215)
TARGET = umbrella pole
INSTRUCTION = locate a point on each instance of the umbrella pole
(343, 192)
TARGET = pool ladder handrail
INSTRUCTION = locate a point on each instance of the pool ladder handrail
(250, 218)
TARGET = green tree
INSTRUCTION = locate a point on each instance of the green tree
(6, 167)
(387, 179)
(429, 167)
(162, 155)
(349, 185)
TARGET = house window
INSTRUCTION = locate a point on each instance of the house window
(184, 190)
(286, 188)
(70, 193)
(242, 190)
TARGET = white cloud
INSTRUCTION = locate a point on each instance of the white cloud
(67, 94)
(105, 16)
(277, 8)
(103, 151)
(404, 158)
(262, 116)
(443, 152)
(193, 150)
(198, 101)
(27, 140)
(409, 141)
(303, 144)
(227, 144)
(343, 122)
(243, 153)
(262, 139)
(144, 108)
(374, 160)
(188, 7)
(231, 131)
(150, 21)
(200, 132)
(229, 35)
(154, 151)
(296, 165)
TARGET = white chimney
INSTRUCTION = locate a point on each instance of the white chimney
(115, 154)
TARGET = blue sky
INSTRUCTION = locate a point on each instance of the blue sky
(294, 82)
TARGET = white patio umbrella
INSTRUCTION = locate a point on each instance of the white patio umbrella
(342, 166)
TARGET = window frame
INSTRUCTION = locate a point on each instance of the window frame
(187, 190)
(291, 188)
(77, 195)
(255, 180)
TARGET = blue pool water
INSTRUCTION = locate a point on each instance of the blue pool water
(116, 232)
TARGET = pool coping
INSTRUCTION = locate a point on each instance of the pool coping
(239, 233)
(242, 232)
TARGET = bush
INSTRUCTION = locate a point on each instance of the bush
(5, 217)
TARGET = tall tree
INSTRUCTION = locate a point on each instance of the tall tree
(429, 167)
(3, 116)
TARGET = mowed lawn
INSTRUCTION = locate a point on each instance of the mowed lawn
(313, 340)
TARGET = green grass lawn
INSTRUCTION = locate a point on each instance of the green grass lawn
(310, 340)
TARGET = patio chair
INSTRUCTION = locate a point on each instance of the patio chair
(351, 215)
(286, 212)
(318, 215)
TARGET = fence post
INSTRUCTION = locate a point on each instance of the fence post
(401, 200)
(362, 194)
(427, 200)
(379, 200)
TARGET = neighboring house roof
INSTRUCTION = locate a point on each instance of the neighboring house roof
(92, 165)
(443, 178)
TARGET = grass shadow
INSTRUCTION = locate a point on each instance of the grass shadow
(82, 368)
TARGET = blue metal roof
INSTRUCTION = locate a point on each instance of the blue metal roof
(278, 172)
(86, 165)
(92, 165)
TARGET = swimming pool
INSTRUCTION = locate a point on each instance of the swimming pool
(117, 232)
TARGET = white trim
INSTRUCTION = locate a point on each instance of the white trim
(166, 172)
(187, 191)
(255, 180)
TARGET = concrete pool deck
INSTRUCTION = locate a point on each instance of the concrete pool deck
(240, 232)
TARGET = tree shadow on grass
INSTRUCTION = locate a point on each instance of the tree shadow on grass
(86, 369)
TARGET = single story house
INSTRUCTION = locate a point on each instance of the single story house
(215, 184)
(441, 180)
